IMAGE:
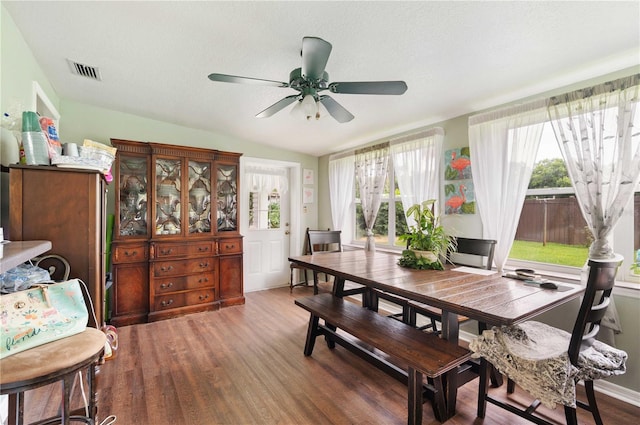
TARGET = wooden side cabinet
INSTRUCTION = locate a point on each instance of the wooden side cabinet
(231, 289)
(68, 208)
(175, 207)
(130, 299)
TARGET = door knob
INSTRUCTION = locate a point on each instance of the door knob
(286, 232)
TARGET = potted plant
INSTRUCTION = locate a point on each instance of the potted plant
(427, 241)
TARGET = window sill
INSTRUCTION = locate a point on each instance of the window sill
(572, 275)
(354, 246)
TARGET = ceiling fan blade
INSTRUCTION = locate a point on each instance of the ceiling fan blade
(224, 78)
(336, 110)
(369, 87)
(279, 105)
(315, 54)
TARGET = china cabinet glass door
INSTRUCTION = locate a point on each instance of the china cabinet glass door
(199, 197)
(133, 195)
(227, 193)
(168, 196)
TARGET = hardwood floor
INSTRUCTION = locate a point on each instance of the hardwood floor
(245, 365)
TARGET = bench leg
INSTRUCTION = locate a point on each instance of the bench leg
(330, 342)
(452, 391)
(439, 402)
(414, 407)
(312, 333)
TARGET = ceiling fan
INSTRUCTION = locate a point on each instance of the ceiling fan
(312, 79)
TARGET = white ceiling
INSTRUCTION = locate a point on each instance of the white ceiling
(456, 58)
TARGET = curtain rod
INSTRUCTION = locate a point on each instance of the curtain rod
(608, 87)
(377, 147)
(540, 104)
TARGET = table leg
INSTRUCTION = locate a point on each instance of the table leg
(496, 377)
(450, 326)
(338, 286)
(451, 332)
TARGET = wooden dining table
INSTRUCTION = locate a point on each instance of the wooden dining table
(478, 294)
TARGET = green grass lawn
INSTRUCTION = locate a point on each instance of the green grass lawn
(554, 253)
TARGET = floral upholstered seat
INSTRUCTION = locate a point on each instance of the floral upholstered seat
(535, 356)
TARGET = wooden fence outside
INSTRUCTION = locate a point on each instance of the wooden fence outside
(564, 222)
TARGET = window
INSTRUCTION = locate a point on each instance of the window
(390, 222)
(552, 229)
(412, 175)
(264, 210)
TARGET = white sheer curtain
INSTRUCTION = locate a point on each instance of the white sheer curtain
(266, 179)
(503, 146)
(598, 131)
(416, 166)
(371, 172)
(341, 193)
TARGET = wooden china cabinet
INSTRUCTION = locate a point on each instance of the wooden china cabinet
(176, 245)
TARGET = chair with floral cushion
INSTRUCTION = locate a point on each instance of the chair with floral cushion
(548, 362)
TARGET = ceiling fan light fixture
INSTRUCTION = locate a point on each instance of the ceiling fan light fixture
(309, 106)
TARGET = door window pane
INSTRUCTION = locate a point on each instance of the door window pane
(264, 210)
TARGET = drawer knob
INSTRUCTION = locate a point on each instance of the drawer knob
(230, 246)
(167, 251)
(166, 285)
(166, 268)
(204, 297)
(130, 253)
(205, 279)
(203, 249)
(204, 265)
(167, 303)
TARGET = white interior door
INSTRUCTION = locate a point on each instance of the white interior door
(267, 229)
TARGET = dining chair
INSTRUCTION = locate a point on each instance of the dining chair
(326, 241)
(306, 250)
(467, 249)
(323, 241)
(548, 362)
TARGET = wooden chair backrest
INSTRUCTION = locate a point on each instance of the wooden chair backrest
(602, 277)
(479, 247)
(324, 241)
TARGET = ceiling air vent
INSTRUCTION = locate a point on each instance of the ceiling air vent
(85, 70)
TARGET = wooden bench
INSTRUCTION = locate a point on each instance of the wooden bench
(420, 352)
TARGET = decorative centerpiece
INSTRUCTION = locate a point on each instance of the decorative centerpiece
(427, 241)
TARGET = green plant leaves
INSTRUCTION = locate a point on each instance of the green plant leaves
(410, 260)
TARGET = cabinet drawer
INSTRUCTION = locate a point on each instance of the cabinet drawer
(178, 268)
(181, 299)
(130, 253)
(182, 283)
(230, 246)
(183, 250)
